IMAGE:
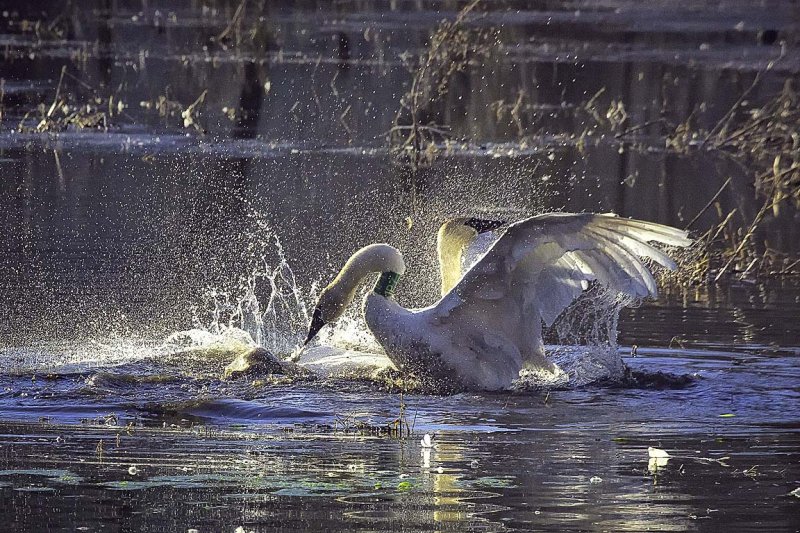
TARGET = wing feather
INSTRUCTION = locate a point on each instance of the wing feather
(645, 231)
(634, 245)
(542, 263)
(624, 252)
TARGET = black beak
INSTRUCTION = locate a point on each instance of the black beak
(482, 226)
(315, 326)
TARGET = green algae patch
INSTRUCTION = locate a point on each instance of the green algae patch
(64, 477)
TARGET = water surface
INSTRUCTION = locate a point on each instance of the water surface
(114, 239)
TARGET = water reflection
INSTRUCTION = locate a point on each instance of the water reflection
(577, 458)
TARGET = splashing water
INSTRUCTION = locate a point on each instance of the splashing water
(267, 307)
(278, 323)
(585, 334)
(279, 326)
(350, 331)
(583, 339)
(593, 318)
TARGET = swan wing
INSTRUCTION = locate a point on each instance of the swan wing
(540, 265)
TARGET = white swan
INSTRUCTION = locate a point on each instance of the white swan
(488, 325)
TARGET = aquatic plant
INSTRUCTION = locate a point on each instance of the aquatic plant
(452, 47)
(763, 141)
(65, 110)
(766, 139)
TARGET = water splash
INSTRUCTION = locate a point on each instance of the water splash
(593, 318)
(278, 323)
(584, 347)
(267, 307)
(350, 331)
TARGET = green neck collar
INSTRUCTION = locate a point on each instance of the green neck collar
(386, 284)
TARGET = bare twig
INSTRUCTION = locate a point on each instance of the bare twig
(234, 23)
(58, 92)
(345, 125)
(314, 83)
(724, 122)
(767, 205)
(709, 204)
(639, 127)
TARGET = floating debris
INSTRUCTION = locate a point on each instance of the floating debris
(658, 459)
(657, 453)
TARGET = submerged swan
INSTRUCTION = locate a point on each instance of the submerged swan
(488, 324)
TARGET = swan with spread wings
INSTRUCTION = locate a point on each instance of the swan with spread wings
(488, 324)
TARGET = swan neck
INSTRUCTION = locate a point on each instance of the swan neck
(373, 259)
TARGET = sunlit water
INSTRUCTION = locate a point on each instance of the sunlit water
(135, 262)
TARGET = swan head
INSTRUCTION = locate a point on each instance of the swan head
(337, 296)
(463, 230)
(331, 305)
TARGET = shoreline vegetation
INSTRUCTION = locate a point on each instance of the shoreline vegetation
(763, 140)
(759, 136)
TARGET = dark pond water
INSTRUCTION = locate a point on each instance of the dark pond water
(115, 238)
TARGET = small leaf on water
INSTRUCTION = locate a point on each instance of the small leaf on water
(727, 415)
(405, 485)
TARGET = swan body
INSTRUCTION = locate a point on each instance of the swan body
(488, 324)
